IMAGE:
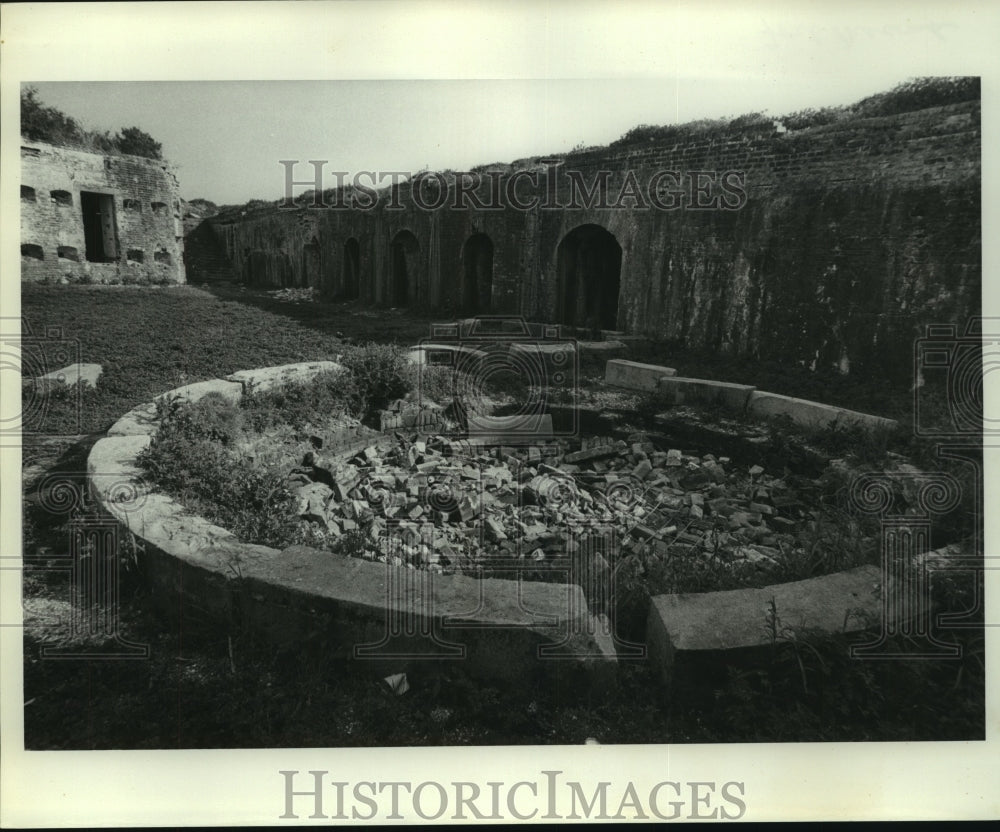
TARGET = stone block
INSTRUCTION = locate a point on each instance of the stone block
(446, 355)
(510, 430)
(499, 628)
(548, 349)
(633, 375)
(601, 349)
(267, 378)
(142, 419)
(852, 418)
(801, 411)
(719, 623)
(702, 391)
(86, 374)
(811, 414)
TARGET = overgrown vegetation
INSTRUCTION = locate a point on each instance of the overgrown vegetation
(913, 94)
(230, 462)
(41, 123)
(194, 458)
(223, 687)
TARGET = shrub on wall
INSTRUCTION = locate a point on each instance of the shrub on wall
(918, 94)
(41, 123)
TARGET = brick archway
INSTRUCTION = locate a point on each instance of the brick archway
(588, 268)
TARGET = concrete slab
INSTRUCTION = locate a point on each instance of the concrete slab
(115, 478)
(86, 374)
(851, 418)
(494, 326)
(801, 411)
(731, 396)
(717, 622)
(813, 414)
(267, 378)
(140, 421)
(505, 630)
(602, 349)
(445, 354)
(229, 390)
(518, 429)
(545, 348)
(384, 614)
(633, 375)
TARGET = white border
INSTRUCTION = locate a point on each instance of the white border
(390, 40)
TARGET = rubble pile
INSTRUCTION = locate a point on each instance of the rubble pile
(449, 506)
(294, 295)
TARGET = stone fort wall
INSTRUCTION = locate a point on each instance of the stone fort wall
(94, 218)
(832, 245)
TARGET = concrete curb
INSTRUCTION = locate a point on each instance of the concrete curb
(741, 399)
(387, 616)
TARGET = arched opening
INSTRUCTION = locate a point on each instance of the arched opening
(352, 269)
(477, 282)
(588, 265)
(405, 249)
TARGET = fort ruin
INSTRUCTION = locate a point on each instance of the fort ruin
(831, 245)
(98, 218)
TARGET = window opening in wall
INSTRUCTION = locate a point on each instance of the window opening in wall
(131, 205)
(162, 257)
(136, 255)
(62, 198)
(32, 251)
(158, 207)
(27, 194)
(68, 253)
(100, 231)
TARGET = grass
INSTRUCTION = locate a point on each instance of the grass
(223, 688)
(152, 340)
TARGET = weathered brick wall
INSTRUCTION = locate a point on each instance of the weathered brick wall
(149, 246)
(852, 236)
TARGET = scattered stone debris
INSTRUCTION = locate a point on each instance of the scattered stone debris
(294, 295)
(397, 683)
(445, 505)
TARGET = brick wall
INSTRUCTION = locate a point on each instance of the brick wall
(57, 186)
(847, 239)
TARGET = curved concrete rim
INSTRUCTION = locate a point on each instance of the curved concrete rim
(388, 615)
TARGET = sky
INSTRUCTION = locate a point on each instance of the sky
(225, 138)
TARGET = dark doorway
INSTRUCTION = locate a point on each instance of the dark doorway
(99, 228)
(405, 249)
(588, 265)
(352, 268)
(477, 284)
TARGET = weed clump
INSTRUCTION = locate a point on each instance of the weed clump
(377, 374)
